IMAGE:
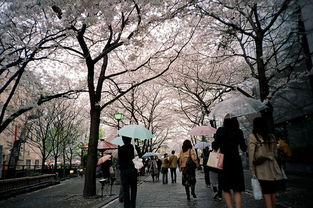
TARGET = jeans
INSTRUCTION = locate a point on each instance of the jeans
(173, 175)
(129, 183)
(164, 173)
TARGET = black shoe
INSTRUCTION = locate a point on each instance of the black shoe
(215, 195)
(188, 198)
(194, 195)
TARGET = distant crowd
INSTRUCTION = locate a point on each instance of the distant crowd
(266, 155)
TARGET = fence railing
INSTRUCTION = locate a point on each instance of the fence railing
(35, 170)
(14, 186)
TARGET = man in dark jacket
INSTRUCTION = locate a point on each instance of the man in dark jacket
(205, 156)
(128, 172)
(159, 163)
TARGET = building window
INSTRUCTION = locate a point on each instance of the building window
(36, 163)
(28, 163)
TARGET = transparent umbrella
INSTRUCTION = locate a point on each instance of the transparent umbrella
(236, 107)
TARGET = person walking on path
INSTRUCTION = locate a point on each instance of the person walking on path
(215, 177)
(263, 162)
(153, 168)
(205, 156)
(159, 164)
(173, 165)
(164, 169)
(128, 173)
(228, 138)
(188, 173)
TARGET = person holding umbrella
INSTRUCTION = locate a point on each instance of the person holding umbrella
(159, 164)
(228, 138)
(128, 172)
(153, 168)
(263, 162)
(205, 156)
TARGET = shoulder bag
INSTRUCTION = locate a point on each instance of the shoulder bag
(190, 163)
(216, 159)
(259, 152)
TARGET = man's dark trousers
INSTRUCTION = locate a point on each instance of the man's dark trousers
(173, 175)
(129, 183)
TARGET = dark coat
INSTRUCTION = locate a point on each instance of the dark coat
(125, 157)
(232, 177)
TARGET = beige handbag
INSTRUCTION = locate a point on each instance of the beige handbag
(216, 159)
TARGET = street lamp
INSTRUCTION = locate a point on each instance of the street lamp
(118, 117)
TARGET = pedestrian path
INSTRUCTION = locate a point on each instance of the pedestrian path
(68, 194)
(156, 195)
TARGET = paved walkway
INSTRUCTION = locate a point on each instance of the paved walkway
(68, 194)
(156, 195)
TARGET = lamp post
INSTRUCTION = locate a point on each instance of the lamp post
(118, 117)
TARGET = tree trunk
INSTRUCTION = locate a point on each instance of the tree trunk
(44, 157)
(43, 165)
(264, 88)
(71, 158)
(263, 83)
(90, 177)
(55, 163)
(64, 161)
(267, 114)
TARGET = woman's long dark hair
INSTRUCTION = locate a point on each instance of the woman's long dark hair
(260, 127)
(186, 145)
(231, 125)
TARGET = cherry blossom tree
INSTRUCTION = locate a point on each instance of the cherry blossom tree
(264, 34)
(150, 106)
(26, 39)
(108, 37)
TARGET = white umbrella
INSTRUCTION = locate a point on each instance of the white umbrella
(202, 131)
(201, 145)
(135, 131)
(237, 106)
